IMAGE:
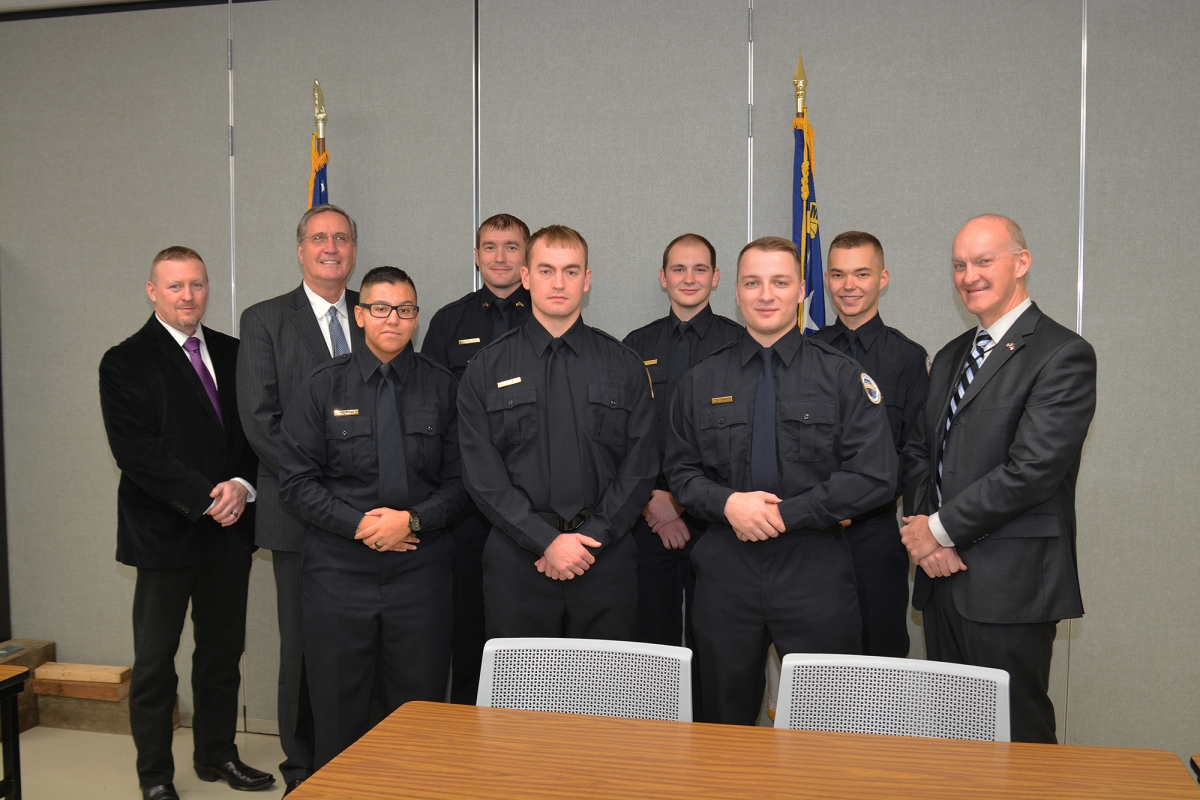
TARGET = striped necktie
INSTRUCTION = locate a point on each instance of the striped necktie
(982, 342)
(337, 337)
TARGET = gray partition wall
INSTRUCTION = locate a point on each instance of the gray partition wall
(628, 121)
(397, 85)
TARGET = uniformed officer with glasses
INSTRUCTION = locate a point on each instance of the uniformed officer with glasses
(370, 459)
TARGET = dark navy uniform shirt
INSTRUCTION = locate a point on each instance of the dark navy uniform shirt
(654, 343)
(461, 329)
(835, 453)
(329, 465)
(898, 365)
(502, 408)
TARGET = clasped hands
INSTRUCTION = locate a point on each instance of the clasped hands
(567, 556)
(926, 551)
(662, 515)
(229, 502)
(384, 529)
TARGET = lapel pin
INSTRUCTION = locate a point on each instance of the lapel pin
(1010, 346)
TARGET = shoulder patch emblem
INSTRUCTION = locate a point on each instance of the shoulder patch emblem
(928, 365)
(871, 390)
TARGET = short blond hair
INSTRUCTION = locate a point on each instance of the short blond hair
(773, 244)
(176, 252)
(559, 236)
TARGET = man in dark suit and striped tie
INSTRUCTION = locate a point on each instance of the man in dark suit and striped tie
(283, 339)
(990, 472)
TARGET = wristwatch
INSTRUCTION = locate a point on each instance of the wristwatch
(414, 521)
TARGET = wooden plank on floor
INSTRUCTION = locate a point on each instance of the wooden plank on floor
(112, 692)
(94, 673)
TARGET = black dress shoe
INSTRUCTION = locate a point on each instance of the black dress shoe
(239, 776)
(292, 786)
(163, 792)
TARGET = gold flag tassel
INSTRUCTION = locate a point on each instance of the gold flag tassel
(319, 160)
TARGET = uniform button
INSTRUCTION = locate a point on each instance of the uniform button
(430, 429)
(806, 416)
(721, 421)
(345, 433)
(612, 402)
(510, 402)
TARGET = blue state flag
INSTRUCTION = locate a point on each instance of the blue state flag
(806, 229)
(318, 189)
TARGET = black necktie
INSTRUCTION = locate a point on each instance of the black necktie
(681, 355)
(853, 346)
(764, 464)
(566, 476)
(389, 439)
(501, 324)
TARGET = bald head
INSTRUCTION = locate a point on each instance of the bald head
(989, 260)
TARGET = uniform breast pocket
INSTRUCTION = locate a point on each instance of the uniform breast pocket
(512, 414)
(460, 354)
(609, 411)
(806, 431)
(423, 431)
(658, 377)
(724, 433)
(350, 445)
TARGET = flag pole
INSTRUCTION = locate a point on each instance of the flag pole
(319, 115)
(801, 83)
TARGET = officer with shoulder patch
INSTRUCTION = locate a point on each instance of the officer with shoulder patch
(774, 440)
(669, 347)
(855, 276)
(456, 333)
(560, 451)
(370, 459)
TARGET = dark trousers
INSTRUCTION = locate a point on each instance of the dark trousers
(796, 591)
(470, 536)
(1022, 650)
(366, 613)
(295, 713)
(881, 572)
(217, 592)
(520, 601)
(666, 594)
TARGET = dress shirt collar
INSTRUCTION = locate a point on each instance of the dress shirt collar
(519, 297)
(1000, 327)
(699, 323)
(786, 348)
(321, 306)
(866, 333)
(368, 363)
(540, 338)
(179, 336)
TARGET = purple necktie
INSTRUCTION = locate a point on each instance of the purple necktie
(192, 345)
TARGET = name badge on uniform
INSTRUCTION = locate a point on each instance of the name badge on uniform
(651, 362)
(345, 412)
(469, 341)
(509, 382)
(871, 390)
(716, 401)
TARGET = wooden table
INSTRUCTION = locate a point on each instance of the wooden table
(12, 681)
(435, 750)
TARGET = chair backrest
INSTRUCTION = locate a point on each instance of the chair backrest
(896, 696)
(588, 676)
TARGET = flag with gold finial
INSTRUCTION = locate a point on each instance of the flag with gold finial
(318, 187)
(805, 226)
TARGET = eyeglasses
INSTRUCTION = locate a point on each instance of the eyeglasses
(320, 239)
(383, 310)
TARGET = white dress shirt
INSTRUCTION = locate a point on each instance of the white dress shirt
(180, 337)
(996, 332)
(321, 306)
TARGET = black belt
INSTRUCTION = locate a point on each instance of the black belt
(565, 525)
(834, 530)
(888, 509)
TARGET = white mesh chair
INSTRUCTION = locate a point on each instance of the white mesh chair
(588, 676)
(895, 696)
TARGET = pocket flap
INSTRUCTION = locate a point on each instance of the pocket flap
(607, 394)
(509, 396)
(426, 422)
(347, 427)
(724, 417)
(807, 413)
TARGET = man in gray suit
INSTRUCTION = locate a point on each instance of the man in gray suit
(283, 339)
(990, 472)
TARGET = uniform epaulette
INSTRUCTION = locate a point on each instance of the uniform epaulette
(333, 362)
(828, 348)
(431, 362)
(910, 341)
(617, 341)
(489, 345)
(720, 349)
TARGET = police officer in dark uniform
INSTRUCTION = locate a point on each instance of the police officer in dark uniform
(370, 459)
(774, 440)
(456, 333)
(669, 347)
(560, 451)
(855, 274)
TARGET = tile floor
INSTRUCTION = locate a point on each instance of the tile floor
(74, 765)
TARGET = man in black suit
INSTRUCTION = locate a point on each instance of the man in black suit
(284, 339)
(990, 473)
(170, 410)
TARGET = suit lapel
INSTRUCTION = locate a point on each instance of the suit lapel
(225, 365)
(357, 342)
(1014, 340)
(958, 360)
(307, 326)
(178, 360)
